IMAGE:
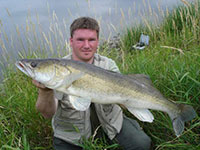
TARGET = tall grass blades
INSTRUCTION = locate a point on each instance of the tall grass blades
(183, 24)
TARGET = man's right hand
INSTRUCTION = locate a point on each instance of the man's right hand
(46, 103)
(40, 86)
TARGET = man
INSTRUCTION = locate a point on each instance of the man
(70, 125)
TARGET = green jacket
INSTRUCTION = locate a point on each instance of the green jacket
(70, 125)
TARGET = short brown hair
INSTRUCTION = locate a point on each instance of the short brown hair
(84, 23)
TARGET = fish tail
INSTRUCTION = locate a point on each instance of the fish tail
(187, 113)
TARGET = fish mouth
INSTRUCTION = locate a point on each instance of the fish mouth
(24, 68)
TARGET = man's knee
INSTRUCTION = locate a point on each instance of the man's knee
(132, 137)
(145, 143)
(139, 143)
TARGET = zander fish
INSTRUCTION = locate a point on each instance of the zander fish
(89, 83)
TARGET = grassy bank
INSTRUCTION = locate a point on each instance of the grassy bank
(172, 60)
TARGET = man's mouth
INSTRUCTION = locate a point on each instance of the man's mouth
(86, 51)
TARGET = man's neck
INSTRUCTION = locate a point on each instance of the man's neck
(90, 61)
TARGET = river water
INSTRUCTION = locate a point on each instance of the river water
(29, 25)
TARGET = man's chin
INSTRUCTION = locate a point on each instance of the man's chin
(86, 58)
(87, 53)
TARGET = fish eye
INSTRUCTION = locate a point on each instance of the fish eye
(33, 64)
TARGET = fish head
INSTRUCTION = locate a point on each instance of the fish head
(47, 71)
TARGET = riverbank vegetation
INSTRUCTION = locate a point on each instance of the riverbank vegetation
(172, 60)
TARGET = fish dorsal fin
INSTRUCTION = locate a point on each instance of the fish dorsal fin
(147, 83)
(79, 103)
(141, 77)
(142, 114)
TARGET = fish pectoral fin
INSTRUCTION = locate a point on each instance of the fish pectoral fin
(79, 103)
(142, 114)
(73, 77)
(68, 80)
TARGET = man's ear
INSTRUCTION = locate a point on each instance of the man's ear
(70, 40)
(98, 40)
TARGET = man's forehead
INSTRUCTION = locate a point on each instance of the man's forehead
(85, 32)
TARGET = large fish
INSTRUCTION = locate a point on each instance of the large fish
(87, 83)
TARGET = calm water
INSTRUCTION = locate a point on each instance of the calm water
(106, 11)
(41, 16)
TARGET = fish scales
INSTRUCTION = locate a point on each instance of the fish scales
(120, 83)
(113, 83)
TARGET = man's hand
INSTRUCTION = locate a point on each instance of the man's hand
(40, 86)
(46, 103)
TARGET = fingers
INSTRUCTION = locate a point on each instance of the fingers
(39, 85)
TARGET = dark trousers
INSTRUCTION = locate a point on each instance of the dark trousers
(131, 137)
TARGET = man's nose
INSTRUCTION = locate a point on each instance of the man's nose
(86, 44)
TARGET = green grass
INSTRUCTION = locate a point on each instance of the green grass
(177, 77)
(172, 60)
(21, 125)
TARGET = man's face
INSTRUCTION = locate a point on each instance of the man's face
(84, 44)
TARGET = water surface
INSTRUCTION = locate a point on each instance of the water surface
(26, 23)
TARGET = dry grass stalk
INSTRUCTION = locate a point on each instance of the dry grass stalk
(174, 48)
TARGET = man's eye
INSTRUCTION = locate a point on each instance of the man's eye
(80, 39)
(92, 39)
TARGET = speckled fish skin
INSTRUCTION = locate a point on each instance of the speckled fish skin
(135, 92)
